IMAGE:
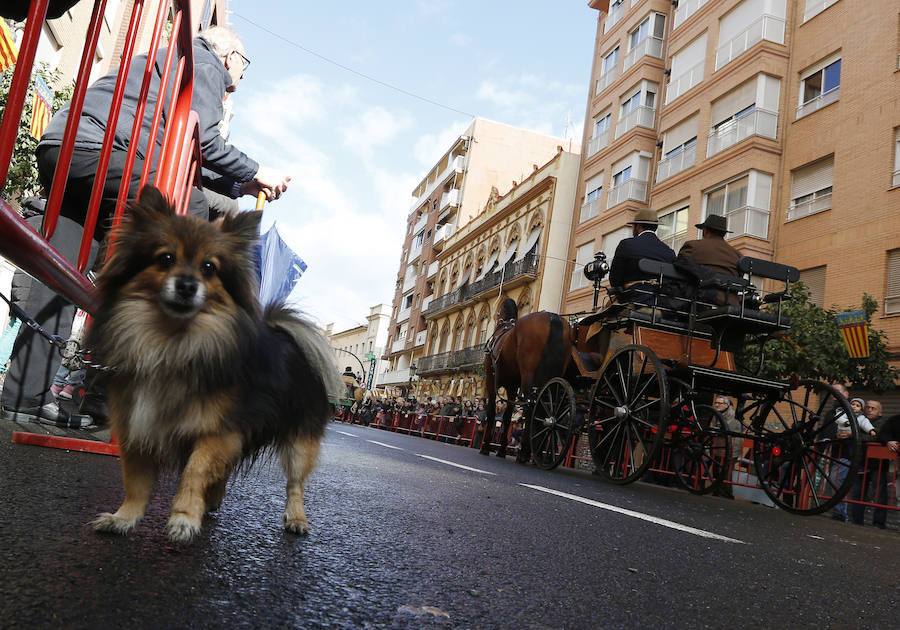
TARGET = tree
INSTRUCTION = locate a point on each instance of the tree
(814, 348)
(22, 180)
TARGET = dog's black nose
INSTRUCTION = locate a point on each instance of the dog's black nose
(186, 287)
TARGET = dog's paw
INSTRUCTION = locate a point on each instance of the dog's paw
(113, 524)
(299, 526)
(181, 529)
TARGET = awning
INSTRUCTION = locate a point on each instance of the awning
(530, 243)
(464, 279)
(488, 265)
(510, 252)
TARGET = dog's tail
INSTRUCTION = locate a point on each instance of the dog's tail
(312, 345)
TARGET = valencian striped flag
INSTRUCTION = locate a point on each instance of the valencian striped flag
(855, 331)
(8, 50)
(42, 105)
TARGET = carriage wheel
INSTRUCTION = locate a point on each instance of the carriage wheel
(800, 461)
(701, 450)
(552, 423)
(629, 407)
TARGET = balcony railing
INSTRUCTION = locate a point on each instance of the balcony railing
(605, 80)
(445, 301)
(426, 302)
(408, 283)
(434, 363)
(686, 8)
(394, 376)
(759, 122)
(450, 198)
(589, 209)
(675, 164)
(433, 269)
(748, 221)
(403, 315)
(598, 142)
(641, 116)
(634, 189)
(814, 8)
(414, 253)
(812, 206)
(684, 82)
(420, 338)
(650, 47)
(817, 103)
(614, 16)
(420, 224)
(766, 27)
(442, 233)
(456, 165)
(398, 345)
(473, 355)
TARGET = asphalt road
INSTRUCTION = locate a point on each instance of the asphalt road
(403, 537)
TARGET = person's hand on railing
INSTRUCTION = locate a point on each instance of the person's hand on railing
(267, 180)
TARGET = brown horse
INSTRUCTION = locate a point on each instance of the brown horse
(522, 355)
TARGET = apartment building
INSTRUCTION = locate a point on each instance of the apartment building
(515, 248)
(487, 157)
(783, 116)
(361, 347)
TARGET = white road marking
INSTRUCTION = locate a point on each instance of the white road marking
(344, 433)
(396, 448)
(645, 517)
(444, 461)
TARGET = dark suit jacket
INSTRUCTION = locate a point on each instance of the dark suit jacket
(714, 253)
(624, 267)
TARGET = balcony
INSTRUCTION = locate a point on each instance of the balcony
(675, 164)
(748, 221)
(403, 315)
(449, 198)
(456, 166)
(589, 209)
(814, 8)
(468, 357)
(640, 116)
(441, 234)
(443, 303)
(684, 82)
(426, 302)
(408, 283)
(433, 269)
(394, 377)
(420, 338)
(398, 345)
(766, 27)
(615, 14)
(811, 206)
(686, 8)
(759, 122)
(420, 224)
(414, 253)
(434, 363)
(598, 142)
(634, 189)
(820, 101)
(650, 47)
(605, 80)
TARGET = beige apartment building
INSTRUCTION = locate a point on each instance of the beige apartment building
(515, 248)
(487, 157)
(782, 115)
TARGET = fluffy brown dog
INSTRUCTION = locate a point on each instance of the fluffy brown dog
(203, 380)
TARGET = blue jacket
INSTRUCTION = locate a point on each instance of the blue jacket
(624, 267)
(211, 80)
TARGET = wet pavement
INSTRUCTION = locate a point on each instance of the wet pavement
(402, 537)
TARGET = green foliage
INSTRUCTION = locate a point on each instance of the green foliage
(814, 347)
(22, 180)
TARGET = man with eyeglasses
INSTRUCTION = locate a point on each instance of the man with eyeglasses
(872, 471)
(219, 64)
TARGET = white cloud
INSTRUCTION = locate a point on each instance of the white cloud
(429, 148)
(375, 126)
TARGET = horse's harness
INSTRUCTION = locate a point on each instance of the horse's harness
(492, 347)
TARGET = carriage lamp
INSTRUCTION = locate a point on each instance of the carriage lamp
(597, 269)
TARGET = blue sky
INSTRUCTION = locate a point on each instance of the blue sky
(356, 149)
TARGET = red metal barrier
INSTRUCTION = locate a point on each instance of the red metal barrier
(179, 164)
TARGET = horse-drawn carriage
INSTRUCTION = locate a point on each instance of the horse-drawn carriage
(638, 378)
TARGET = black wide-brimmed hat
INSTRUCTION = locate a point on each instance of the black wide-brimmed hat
(716, 223)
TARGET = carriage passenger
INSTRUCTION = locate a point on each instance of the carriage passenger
(712, 252)
(634, 285)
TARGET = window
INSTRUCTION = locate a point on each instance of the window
(621, 177)
(407, 301)
(418, 239)
(646, 39)
(892, 294)
(744, 202)
(815, 7)
(637, 108)
(819, 87)
(811, 189)
(673, 228)
(746, 25)
(687, 68)
(897, 157)
(729, 197)
(629, 180)
(814, 280)
(592, 191)
(600, 137)
(583, 255)
(610, 61)
(601, 125)
(612, 239)
(749, 109)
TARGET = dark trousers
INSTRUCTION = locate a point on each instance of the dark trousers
(861, 492)
(34, 361)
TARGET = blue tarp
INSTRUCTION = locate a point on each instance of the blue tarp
(279, 267)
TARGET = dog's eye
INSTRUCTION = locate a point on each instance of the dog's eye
(165, 260)
(208, 269)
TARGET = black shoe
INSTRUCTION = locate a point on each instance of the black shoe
(49, 413)
(93, 404)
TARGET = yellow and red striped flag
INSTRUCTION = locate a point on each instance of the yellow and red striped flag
(8, 50)
(42, 107)
(855, 331)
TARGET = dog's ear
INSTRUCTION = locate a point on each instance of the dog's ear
(244, 225)
(150, 203)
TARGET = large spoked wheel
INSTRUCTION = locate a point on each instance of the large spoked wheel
(701, 450)
(552, 423)
(806, 449)
(627, 415)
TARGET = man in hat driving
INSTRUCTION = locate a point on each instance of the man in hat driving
(624, 272)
